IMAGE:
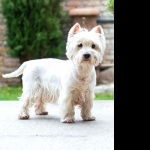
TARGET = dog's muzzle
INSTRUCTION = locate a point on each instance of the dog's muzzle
(86, 56)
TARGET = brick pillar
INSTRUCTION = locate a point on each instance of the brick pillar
(86, 17)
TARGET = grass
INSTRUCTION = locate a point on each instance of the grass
(104, 96)
(13, 92)
(10, 92)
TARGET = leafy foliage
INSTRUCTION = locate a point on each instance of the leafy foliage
(110, 6)
(33, 28)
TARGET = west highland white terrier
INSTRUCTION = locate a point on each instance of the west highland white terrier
(68, 82)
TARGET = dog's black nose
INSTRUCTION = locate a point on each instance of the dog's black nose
(86, 56)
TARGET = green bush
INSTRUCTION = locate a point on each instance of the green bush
(110, 6)
(33, 28)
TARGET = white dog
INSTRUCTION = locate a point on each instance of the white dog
(68, 82)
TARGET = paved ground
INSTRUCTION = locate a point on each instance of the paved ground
(48, 133)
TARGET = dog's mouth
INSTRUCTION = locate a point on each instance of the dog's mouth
(86, 59)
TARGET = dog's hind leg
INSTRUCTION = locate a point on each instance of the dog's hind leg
(40, 105)
(40, 108)
(27, 99)
(24, 111)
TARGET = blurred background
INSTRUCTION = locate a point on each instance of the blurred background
(39, 29)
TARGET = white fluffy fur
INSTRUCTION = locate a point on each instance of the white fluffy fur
(69, 82)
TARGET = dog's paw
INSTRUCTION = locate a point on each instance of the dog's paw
(68, 120)
(23, 117)
(89, 118)
(42, 113)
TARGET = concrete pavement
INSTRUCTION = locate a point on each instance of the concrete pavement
(48, 133)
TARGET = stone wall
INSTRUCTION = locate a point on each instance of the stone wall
(8, 64)
(109, 52)
(99, 4)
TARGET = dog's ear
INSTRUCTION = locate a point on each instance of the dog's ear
(75, 29)
(98, 29)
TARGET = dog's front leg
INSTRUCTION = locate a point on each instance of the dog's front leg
(87, 106)
(67, 110)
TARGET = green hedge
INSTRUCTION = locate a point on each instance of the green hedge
(33, 28)
(110, 6)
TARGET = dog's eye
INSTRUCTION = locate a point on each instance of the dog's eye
(80, 45)
(93, 45)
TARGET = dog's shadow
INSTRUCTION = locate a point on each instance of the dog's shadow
(48, 118)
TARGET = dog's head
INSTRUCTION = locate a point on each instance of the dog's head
(85, 47)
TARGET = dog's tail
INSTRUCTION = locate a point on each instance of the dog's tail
(16, 73)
